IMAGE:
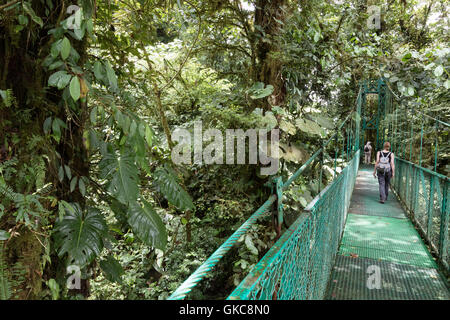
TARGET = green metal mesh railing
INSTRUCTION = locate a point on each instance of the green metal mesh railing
(416, 138)
(425, 194)
(209, 264)
(298, 266)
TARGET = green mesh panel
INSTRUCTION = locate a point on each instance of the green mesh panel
(299, 264)
(425, 194)
(350, 278)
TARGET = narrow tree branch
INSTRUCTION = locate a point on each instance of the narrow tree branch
(8, 4)
(188, 54)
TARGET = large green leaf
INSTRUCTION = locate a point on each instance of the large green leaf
(65, 48)
(287, 127)
(250, 246)
(439, 71)
(172, 190)
(293, 153)
(110, 74)
(122, 173)
(447, 84)
(147, 225)
(112, 269)
(269, 120)
(59, 79)
(99, 71)
(75, 90)
(257, 91)
(4, 235)
(27, 8)
(120, 211)
(308, 126)
(323, 121)
(80, 235)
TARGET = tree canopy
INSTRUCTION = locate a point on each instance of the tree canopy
(91, 93)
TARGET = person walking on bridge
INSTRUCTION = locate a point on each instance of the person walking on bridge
(385, 170)
(367, 152)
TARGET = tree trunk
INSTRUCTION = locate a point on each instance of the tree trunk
(268, 15)
(21, 71)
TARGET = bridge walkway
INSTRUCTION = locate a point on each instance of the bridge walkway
(381, 255)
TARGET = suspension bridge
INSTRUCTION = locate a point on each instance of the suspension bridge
(345, 244)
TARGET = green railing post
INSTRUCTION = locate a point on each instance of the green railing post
(416, 190)
(412, 137)
(430, 207)
(336, 150)
(396, 134)
(421, 143)
(403, 134)
(415, 180)
(278, 184)
(348, 143)
(321, 169)
(406, 134)
(436, 146)
(443, 234)
(407, 180)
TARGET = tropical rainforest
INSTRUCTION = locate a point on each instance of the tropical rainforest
(91, 95)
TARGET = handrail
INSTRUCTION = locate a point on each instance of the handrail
(181, 292)
(426, 204)
(440, 176)
(254, 285)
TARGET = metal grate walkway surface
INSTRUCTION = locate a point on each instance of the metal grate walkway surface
(381, 255)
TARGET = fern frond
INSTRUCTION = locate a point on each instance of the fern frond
(10, 278)
(8, 193)
(45, 189)
(5, 284)
(7, 168)
(38, 171)
(35, 142)
(7, 97)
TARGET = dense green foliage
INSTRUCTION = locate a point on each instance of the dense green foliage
(89, 100)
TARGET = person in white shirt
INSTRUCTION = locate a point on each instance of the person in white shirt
(367, 152)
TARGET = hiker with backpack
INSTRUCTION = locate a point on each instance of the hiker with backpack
(385, 170)
(367, 152)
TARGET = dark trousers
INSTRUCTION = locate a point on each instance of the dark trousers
(383, 181)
